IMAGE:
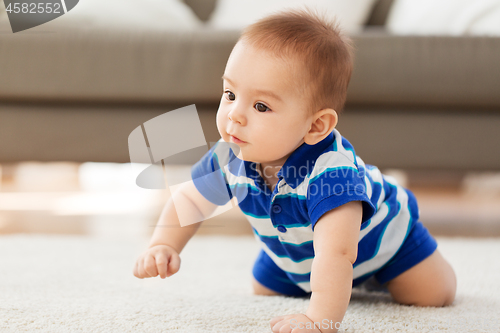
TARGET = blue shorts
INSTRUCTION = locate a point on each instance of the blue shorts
(418, 245)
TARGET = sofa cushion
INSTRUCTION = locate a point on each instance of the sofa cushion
(114, 66)
(186, 67)
(445, 17)
(237, 14)
(425, 70)
(120, 15)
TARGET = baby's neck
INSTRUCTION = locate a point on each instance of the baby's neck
(270, 174)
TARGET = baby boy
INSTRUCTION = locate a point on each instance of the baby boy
(326, 221)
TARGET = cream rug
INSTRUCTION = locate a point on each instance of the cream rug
(80, 284)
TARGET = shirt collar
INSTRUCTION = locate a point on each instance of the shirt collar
(301, 162)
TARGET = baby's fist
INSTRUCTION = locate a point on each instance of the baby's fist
(295, 323)
(160, 260)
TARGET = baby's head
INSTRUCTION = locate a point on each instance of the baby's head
(284, 83)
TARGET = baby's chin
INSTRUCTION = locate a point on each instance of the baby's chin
(244, 157)
(238, 152)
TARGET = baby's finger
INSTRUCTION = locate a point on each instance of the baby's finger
(135, 270)
(277, 326)
(275, 320)
(140, 268)
(150, 266)
(173, 265)
(161, 265)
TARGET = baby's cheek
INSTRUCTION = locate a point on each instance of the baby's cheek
(221, 126)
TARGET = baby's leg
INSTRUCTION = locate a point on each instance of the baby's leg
(259, 289)
(432, 282)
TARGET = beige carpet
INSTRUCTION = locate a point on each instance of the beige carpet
(80, 284)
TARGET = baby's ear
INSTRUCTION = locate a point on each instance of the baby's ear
(323, 123)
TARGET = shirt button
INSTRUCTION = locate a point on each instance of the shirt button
(276, 209)
(281, 228)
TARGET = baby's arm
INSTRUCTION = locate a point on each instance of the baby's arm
(335, 247)
(169, 237)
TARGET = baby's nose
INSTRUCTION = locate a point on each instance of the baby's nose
(236, 115)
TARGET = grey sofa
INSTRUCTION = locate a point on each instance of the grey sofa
(414, 102)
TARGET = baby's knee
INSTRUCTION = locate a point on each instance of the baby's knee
(440, 294)
(440, 298)
(450, 289)
(430, 283)
(259, 289)
(447, 288)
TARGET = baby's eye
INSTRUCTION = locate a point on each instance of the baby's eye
(229, 95)
(261, 107)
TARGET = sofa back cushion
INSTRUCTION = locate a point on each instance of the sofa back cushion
(378, 16)
(445, 17)
(119, 16)
(237, 14)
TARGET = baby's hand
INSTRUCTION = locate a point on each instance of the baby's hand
(160, 260)
(296, 323)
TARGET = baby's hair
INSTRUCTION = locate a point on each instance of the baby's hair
(304, 37)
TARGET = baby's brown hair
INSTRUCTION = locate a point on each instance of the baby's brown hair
(314, 41)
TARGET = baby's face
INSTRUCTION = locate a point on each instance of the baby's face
(260, 109)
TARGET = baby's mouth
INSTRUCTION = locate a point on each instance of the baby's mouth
(236, 139)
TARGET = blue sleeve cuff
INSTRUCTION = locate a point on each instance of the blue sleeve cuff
(337, 200)
(211, 185)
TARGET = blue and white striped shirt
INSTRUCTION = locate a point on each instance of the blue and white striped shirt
(314, 180)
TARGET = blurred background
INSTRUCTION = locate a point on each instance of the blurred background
(423, 105)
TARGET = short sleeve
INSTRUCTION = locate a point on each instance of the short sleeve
(336, 185)
(209, 177)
